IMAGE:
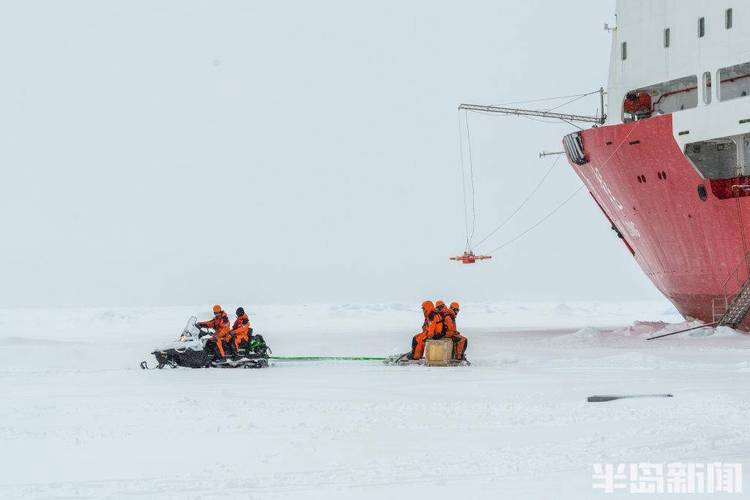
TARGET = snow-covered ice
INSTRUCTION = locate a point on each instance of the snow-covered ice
(79, 419)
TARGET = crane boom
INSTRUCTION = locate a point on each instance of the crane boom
(538, 113)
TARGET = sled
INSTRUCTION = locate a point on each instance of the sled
(438, 352)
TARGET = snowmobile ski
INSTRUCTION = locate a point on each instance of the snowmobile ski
(158, 366)
(243, 362)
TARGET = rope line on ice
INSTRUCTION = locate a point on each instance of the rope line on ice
(327, 358)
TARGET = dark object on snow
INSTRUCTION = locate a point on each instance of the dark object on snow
(196, 348)
(604, 399)
(707, 325)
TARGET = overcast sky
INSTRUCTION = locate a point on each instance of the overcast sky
(186, 152)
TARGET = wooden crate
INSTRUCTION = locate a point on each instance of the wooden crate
(438, 352)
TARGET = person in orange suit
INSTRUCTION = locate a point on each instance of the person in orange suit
(459, 341)
(433, 327)
(220, 325)
(240, 329)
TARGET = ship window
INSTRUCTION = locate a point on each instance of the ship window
(728, 19)
(624, 50)
(701, 27)
(734, 82)
(667, 37)
(707, 87)
(662, 98)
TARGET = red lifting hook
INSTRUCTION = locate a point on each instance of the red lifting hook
(470, 258)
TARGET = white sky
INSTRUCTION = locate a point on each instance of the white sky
(185, 152)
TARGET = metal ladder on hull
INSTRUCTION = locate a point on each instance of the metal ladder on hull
(732, 312)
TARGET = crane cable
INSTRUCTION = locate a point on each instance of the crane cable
(471, 184)
(575, 98)
(546, 99)
(537, 223)
(523, 203)
(463, 178)
(470, 234)
(473, 189)
(564, 202)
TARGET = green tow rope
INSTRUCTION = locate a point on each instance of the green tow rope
(325, 358)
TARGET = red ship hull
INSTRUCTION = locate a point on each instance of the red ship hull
(692, 247)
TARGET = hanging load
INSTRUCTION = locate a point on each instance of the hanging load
(573, 148)
(469, 258)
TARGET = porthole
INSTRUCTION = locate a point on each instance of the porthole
(702, 193)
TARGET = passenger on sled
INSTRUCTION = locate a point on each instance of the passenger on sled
(220, 325)
(449, 316)
(433, 327)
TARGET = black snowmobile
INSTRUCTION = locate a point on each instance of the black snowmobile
(196, 348)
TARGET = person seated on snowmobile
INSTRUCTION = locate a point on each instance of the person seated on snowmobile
(240, 329)
(459, 341)
(220, 325)
(432, 328)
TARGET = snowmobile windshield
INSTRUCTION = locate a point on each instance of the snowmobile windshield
(190, 331)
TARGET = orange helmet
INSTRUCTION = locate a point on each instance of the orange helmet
(428, 306)
(217, 309)
(439, 303)
(454, 305)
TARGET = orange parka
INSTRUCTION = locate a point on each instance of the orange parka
(449, 316)
(241, 326)
(436, 326)
(220, 324)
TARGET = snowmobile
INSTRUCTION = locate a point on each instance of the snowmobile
(196, 348)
